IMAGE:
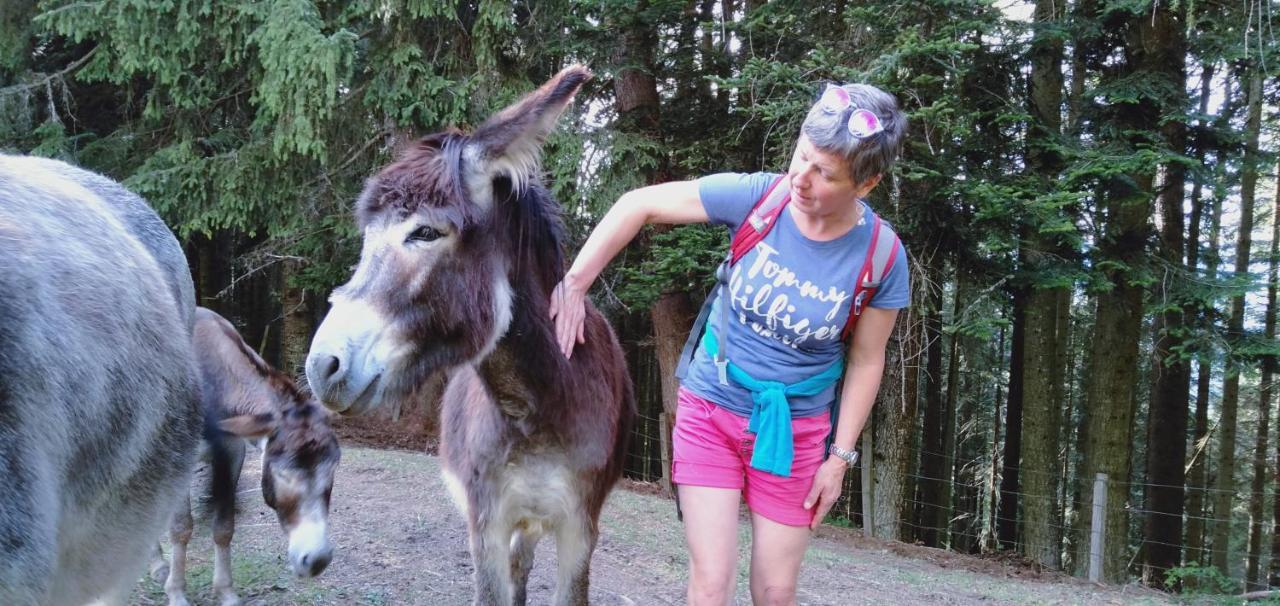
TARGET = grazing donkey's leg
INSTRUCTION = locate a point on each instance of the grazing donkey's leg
(159, 565)
(226, 461)
(575, 540)
(179, 536)
(523, 542)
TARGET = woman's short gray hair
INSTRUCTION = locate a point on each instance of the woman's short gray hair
(865, 158)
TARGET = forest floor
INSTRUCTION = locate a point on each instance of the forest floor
(400, 541)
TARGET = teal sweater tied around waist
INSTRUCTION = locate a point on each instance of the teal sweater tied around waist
(771, 412)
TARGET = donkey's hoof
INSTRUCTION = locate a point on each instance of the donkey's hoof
(229, 599)
(178, 599)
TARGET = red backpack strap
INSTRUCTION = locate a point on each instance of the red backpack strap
(764, 214)
(881, 253)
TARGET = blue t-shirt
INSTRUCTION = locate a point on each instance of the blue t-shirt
(790, 295)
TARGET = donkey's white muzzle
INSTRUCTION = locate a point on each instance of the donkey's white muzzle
(349, 356)
(309, 548)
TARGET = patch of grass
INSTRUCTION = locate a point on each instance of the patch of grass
(250, 570)
(375, 597)
(839, 521)
(826, 557)
(309, 595)
(913, 578)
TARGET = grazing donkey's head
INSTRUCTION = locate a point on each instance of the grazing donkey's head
(298, 463)
(455, 232)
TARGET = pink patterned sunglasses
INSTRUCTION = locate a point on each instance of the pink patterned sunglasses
(862, 122)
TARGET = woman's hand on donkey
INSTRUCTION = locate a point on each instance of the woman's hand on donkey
(568, 310)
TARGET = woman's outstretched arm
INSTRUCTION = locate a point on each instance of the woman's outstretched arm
(675, 202)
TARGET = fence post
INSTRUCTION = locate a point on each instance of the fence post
(664, 433)
(868, 496)
(1099, 521)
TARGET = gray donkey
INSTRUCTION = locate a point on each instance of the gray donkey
(99, 417)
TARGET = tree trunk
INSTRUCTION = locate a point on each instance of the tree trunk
(949, 464)
(1167, 423)
(297, 330)
(1040, 428)
(1225, 482)
(991, 509)
(1197, 467)
(1042, 368)
(1197, 464)
(1078, 537)
(894, 424)
(1259, 483)
(1063, 393)
(1268, 375)
(1109, 397)
(1265, 391)
(1119, 315)
(932, 460)
(1007, 514)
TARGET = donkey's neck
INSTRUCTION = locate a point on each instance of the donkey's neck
(526, 364)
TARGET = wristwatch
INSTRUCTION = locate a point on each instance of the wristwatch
(848, 456)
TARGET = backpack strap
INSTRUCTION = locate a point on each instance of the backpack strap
(757, 224)
(881, 253)
(761, 219)
(699, 326)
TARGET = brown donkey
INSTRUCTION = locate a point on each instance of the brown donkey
(462, 247)
(245, 398)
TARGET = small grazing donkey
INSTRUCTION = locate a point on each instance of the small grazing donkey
(243, 397)
(462, 247)
(99, 418)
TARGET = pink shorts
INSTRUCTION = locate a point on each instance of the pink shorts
(712, 447)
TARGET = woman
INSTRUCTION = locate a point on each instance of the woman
(789, 296)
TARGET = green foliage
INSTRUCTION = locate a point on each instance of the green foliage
(1199, 580)
(303, 70)
(683, 259)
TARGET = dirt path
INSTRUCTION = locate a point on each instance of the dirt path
(400, 541)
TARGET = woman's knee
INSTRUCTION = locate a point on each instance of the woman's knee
(710, 587)
(774, 594)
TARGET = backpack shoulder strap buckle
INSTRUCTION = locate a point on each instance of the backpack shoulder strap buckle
(722, 370)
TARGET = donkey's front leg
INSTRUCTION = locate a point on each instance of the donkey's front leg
(575, 540)
(179, 535)
(491, 556)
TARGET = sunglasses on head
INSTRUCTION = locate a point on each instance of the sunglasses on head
(862, 122)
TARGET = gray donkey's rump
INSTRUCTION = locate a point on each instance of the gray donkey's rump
(98, 397)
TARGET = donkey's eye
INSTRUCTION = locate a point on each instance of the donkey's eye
(424, 233)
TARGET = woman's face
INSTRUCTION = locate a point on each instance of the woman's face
(820, 182)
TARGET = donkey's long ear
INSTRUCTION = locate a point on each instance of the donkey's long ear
(250, 426)
(510, 143)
